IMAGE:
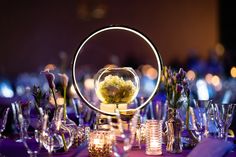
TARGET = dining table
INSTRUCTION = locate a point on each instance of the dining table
(11, 148)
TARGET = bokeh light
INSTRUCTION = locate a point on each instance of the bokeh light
(191, 75)
(208, 78)
(215, 80)
(6, 90)
(202, 90)
(89, 83)
(233, 72)
(73, 92)
(220, 49)
(151, 73)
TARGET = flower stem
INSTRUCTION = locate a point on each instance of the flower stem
(64, 116)
(64, 106)
(187, 113)
(64, 142)
(54, 97)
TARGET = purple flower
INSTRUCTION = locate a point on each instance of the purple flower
(175, 84)
(24, 102)
(50, 78)
(187, 91)
(179, 88)
(178, 78)
(182, 73)
(170, 73)
(185, 83)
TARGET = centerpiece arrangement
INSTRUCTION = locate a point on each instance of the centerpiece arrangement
(176, 86)
(116, 88)
(60, 132)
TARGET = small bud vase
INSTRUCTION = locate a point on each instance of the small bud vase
(174, 131)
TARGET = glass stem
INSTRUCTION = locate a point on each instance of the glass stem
(81, 121)
(187, 114)
(226, 133)
(221, 133)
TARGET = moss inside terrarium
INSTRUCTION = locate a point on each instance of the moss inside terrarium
(114, 89)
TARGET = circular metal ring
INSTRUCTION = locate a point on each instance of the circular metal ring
(150, 44)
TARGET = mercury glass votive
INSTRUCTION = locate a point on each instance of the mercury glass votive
(154, 137)
(99, 144)
(143, 133)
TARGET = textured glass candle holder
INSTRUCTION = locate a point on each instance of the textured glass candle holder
(99, 144)
(154, 137)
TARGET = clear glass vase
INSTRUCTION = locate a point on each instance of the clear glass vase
(174, 131)
(67, 122)
(59, 134)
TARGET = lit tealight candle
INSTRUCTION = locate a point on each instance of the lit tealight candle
(154, 144)
(99, 144)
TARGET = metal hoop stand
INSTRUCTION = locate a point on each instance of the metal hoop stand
(139, 34)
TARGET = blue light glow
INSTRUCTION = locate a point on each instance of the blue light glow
(6, 90)
(202, 90)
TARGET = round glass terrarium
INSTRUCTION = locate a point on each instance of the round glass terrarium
(116, 87)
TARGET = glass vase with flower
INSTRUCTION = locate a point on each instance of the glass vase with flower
(118, 103)
(66, 120)
(176, 86)
(60, 133)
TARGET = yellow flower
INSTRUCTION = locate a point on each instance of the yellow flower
(116, 90)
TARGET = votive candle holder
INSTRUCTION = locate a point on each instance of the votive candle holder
(99, 144)
(153, 137)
